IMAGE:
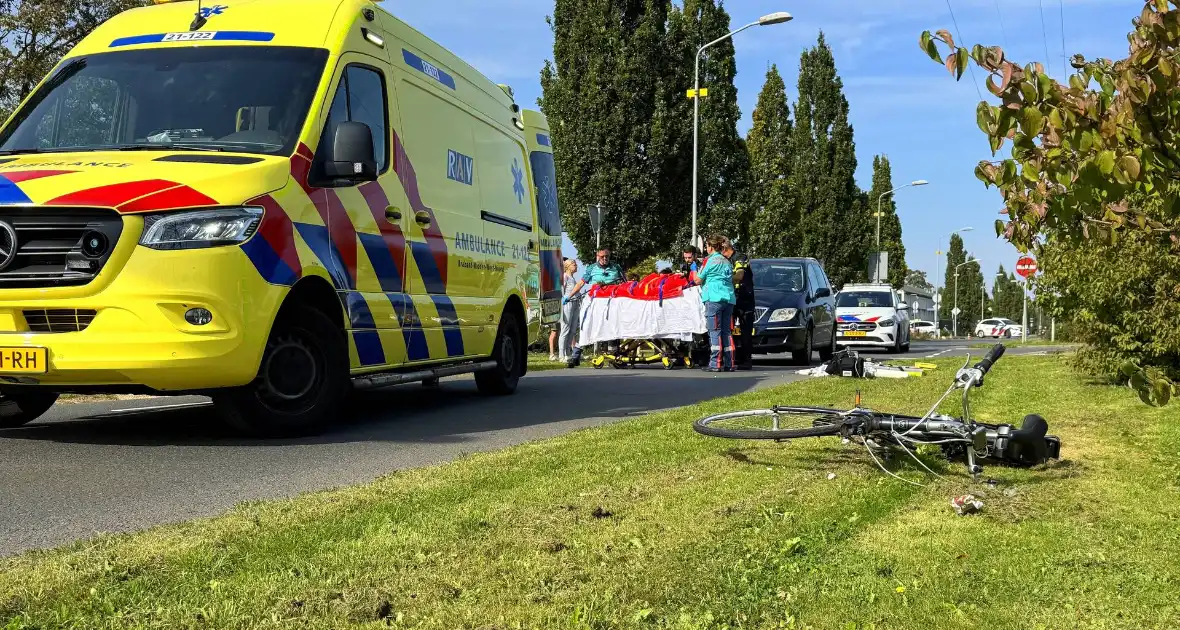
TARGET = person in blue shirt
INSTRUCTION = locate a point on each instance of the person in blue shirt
(603, 272)
(716, 281)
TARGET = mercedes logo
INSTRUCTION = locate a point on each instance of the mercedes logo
(8, 245)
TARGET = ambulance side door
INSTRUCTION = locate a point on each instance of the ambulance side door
(366, 223)
(438, 168)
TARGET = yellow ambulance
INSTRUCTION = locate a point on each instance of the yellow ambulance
(271, 202)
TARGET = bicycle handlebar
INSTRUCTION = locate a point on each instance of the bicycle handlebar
(993, 355)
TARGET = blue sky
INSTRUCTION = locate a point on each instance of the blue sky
(902, 104)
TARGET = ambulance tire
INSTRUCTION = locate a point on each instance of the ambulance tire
(509, 355)
(20, 409)
(302, 381)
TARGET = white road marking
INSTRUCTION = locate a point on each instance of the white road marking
(931, 356)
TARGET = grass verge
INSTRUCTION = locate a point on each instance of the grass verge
(539, 362)
(1015, 341)
(645, 524)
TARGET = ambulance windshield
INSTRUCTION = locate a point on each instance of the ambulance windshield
(217, 98)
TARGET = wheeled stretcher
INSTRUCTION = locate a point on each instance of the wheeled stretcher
(657, 320)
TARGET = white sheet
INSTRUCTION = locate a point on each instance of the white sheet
(608, 319)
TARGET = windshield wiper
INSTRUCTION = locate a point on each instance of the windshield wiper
(23, 151)
(165, 147)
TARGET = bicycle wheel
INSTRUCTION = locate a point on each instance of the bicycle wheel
(780, 423)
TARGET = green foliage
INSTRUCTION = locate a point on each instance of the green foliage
(601, 100)
(1080, 150)
(1125, 315)
(1082, 154)
(34, 35)
(890, 223)
(776, 218)
(724, 163)
(622, 127)
(969, 287)
(917, 278)
(823, 170)
(1007, 296)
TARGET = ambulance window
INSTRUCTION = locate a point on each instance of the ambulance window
(361, 98)
(84, 115)
(545, 179)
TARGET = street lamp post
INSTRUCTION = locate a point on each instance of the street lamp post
(766, 20)
(956, 315)
(938, 303)
(877, 268)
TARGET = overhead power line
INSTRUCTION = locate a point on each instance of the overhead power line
(1064, 52)
(1003, 31)
(1044, 33)
(959, 38)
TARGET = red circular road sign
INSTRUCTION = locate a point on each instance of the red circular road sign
(1026, 266)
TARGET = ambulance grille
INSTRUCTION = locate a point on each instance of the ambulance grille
(48, 248)
(58, 320)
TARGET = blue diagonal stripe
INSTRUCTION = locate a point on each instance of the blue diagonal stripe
(10, 193)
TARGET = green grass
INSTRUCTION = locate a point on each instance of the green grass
(645, 524)
(1015, 341)
(539, 362)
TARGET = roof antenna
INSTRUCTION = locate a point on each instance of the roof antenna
(199, 20)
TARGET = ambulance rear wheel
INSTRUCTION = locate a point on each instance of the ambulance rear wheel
(22, 408)
(509, 355)
(301, 382)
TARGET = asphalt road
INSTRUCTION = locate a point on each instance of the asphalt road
(119, 466)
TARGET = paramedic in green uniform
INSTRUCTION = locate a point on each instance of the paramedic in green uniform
(602, 272)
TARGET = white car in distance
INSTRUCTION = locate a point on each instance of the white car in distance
(998, 327)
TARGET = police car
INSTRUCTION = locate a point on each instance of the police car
(872, 315)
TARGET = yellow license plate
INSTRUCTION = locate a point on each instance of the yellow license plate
(855, 333)
(24, 360)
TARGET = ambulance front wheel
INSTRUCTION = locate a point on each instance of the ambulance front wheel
(301, 382)
(19, 409)
(509, 355)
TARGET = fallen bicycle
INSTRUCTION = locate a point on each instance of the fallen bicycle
(959, 438)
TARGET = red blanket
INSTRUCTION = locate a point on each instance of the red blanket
(653, 287)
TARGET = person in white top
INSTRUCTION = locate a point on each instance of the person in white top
(570, 312)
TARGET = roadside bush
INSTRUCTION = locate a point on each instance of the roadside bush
(1120, 299)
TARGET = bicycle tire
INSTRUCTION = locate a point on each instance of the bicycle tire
(705, 426)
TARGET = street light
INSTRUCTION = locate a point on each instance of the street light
(956, 315)
(877, 269)
(766, 20)
(938, 304)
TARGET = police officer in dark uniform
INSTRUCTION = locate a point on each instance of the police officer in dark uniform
(743, 312)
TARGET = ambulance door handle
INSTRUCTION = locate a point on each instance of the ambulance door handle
(422, 217)
(393, 213)
(532, 245)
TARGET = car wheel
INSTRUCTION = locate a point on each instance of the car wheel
(302, 380)
(825, 354)
(19, 409)
(802, 356)
(509, 355)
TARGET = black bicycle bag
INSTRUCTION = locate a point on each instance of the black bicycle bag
(846, 364)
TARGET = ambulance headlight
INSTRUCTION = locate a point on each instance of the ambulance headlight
(197, 229)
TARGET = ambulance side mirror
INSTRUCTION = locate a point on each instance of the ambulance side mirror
(348, 157)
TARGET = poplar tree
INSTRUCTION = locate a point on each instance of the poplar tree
(823, 170)
(600, 94)
(890, 223)
(723, 175)
(775, 216)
